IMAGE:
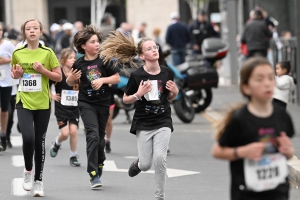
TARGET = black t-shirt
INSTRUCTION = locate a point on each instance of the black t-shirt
(150, 115)
(70, 112)
(245, 128)
(91, 70)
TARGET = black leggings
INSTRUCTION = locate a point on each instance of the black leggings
(33, 125)
(5, 93)
(11, 112)
(94, 119)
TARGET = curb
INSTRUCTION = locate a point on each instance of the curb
(214, 117)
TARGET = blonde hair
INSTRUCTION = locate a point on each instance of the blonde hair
(64, 55)
(23, 27)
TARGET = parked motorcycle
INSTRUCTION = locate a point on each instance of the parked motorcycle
(194, 79)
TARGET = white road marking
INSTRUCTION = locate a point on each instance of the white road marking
(18, 161)
(131, 157)
(17, 188)
(110, 166)
(16, 141)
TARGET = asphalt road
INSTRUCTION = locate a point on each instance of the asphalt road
(193, 173)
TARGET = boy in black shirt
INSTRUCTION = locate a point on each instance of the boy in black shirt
(94, 97)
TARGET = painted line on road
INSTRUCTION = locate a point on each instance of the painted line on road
(110, 166)
(18, 161)
(16, 141)
(17, 188)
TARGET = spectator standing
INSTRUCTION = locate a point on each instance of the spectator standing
(257, 35)
(67, 36)
(177, 36)
(139, 33)
(200, 30)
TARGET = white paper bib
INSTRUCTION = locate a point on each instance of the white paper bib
(69, 97)
(153, 94)
(265, 174)
(31, 83)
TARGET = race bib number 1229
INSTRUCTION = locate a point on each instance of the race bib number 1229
(265, 174)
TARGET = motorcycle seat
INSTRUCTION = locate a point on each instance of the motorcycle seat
(189, 64)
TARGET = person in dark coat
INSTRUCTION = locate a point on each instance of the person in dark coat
(177, 36)
(257, 36)
(200, 30)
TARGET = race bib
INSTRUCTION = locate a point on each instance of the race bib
(69, 97)
(2, 74)
(265, 174)
(31, 83)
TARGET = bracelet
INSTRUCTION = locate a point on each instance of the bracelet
(236, 157)
(136, 98)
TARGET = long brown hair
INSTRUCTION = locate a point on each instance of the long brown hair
(245, 74)
(121, 48)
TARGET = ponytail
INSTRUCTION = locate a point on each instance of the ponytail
(120, 49)
(221, 126)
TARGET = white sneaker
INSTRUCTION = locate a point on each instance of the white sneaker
(27, 180)
(38, 189)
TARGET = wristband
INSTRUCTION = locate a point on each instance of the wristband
(136, 98)
(236, 157)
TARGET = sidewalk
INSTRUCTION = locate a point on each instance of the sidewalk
(225, 97)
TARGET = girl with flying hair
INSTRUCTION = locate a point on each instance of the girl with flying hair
(255, 138)
(152, 122)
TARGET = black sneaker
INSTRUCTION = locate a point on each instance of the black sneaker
(74, 161)
(107, 147)
(1, 147)
(134, 169)
(54, 149)
(9, 145)
(3, 143)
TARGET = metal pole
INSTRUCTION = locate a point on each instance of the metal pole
(232, 27)
(297, 34)
(11, 12)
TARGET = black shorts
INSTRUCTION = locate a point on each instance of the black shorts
(63, 121)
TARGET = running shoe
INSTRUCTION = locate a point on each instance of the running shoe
(107, 147)
(1, 147)
(95, 182)
(54, 149)
(9, 145)
(74, 161)
(3, 143)
(27, 180)
(38, 189)
(134, 169)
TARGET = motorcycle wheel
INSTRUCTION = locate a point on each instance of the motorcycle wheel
(116, 111)
(202, 100)
(184, 109)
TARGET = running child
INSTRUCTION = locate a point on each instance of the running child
(284, 84)
(255, 138)
(152, 88)
(6, 82)
(34, 64)
(94, 96)
(66, 108)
